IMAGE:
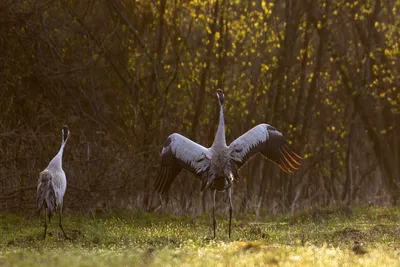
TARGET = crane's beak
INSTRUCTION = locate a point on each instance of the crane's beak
(220, 96)
(65, 133)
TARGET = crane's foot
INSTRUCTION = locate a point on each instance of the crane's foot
(45, 231)
(65, 235)
(230, 222)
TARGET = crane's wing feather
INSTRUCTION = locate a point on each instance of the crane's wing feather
(268, 141)
(180, 152)
(46, 193)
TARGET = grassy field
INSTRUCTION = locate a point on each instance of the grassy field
(335, 237)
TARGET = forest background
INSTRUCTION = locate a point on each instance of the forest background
(123, 75)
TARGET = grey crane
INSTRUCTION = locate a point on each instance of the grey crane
(217, 167)
(52, 185)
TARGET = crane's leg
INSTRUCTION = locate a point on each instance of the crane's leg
(230, 210)
(59, 216)
(213, 213)
(45, 223)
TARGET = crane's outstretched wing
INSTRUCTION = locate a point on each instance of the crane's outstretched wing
(180, 152)
(268, 141)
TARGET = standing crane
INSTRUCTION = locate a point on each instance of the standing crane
(217, 167)
(52, 185)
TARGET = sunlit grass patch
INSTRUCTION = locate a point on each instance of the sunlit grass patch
(365, 237)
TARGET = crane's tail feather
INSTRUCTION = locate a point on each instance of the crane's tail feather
(46, 196)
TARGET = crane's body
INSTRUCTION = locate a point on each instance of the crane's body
(220, 176)
(52, 185)
(217, 166)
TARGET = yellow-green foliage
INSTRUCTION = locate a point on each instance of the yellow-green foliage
(314, 238)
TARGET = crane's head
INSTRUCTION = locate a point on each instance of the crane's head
(220, 96)
(65, 133)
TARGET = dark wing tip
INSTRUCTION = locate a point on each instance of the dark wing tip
(162, 183)
(164, 179)
(289, 158)
(167, 173)
(294, 154)
(160, 177)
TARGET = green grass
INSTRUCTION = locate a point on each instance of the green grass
(313, 238)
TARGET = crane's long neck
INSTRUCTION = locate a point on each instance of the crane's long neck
(56, 162)
(220, 135)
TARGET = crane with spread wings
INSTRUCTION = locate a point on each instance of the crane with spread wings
(218, 166)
